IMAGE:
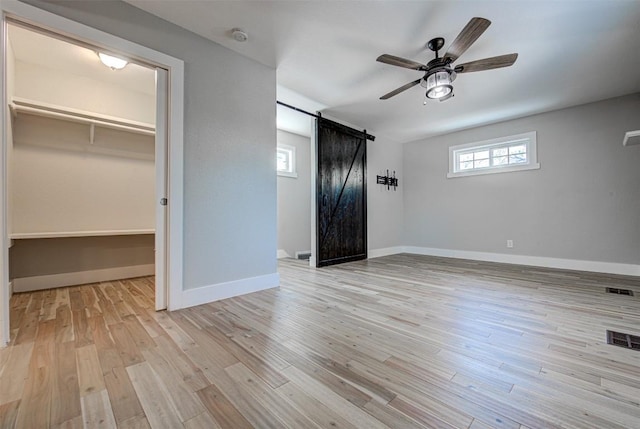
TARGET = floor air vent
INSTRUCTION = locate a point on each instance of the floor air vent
(623, 340)
(620, 291)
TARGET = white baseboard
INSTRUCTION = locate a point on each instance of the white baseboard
(283, 254)
(536, 261)
(377, 253)
(27, 284)
(205, 294)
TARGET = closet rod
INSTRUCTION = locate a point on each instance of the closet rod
(72, 115)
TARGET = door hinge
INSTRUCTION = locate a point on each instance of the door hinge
(163, 201)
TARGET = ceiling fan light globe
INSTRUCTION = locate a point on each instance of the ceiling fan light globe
(438, 84)
(439, 91)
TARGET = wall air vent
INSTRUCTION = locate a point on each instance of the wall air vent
(627, 292)
(631, 138)
(627, 341)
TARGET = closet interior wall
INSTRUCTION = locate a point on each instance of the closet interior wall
(81, 196)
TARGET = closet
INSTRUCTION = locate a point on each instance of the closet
(81, 168)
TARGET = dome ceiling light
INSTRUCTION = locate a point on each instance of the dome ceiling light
(114, 63)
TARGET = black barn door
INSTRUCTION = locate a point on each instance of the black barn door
(341, 194)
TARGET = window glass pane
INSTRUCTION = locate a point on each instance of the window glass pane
(501, 160)
(517, 149)
(466, 165)
(481, 163)
(466, 157)
(483, 154)
(283, 160)
(503, 154)
(518, 159)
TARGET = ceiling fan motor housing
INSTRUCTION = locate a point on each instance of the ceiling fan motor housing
(435, 44)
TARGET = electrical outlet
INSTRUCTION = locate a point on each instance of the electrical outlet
(510, 244)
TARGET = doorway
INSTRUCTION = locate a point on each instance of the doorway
(169, 84)
(81, 164)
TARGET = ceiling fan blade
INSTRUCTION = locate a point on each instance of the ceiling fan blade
(487, 63)
(400, 62)
(469, 34)
(399, 90)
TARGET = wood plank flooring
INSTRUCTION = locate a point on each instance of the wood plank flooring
(402, 341)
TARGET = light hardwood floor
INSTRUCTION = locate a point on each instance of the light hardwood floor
(402, 341)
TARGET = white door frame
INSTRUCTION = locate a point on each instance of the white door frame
(161, 156)
(169, 296)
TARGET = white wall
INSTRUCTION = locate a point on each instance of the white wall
(66, 89)
(229, 148)
(294, 198)
(10, 85)
(582, 204)
(62, 183)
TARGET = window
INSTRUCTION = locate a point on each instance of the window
(512, 153)
(286, 161)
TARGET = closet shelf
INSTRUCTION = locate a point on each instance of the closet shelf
(21, 105)
(61, 234)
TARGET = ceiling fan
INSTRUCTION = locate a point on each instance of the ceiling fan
(439, 72)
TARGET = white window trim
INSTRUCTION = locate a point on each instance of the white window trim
(532, 155)
(292, 160)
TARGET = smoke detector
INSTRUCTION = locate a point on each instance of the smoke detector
(239, 35)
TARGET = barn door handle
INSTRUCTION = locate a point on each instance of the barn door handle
(324, 200)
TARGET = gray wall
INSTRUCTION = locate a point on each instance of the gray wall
(385, 208)
(294, 198)
(583, 203)
(229, 143)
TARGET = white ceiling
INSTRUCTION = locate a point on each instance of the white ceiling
(571, 52)
(35, 48)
